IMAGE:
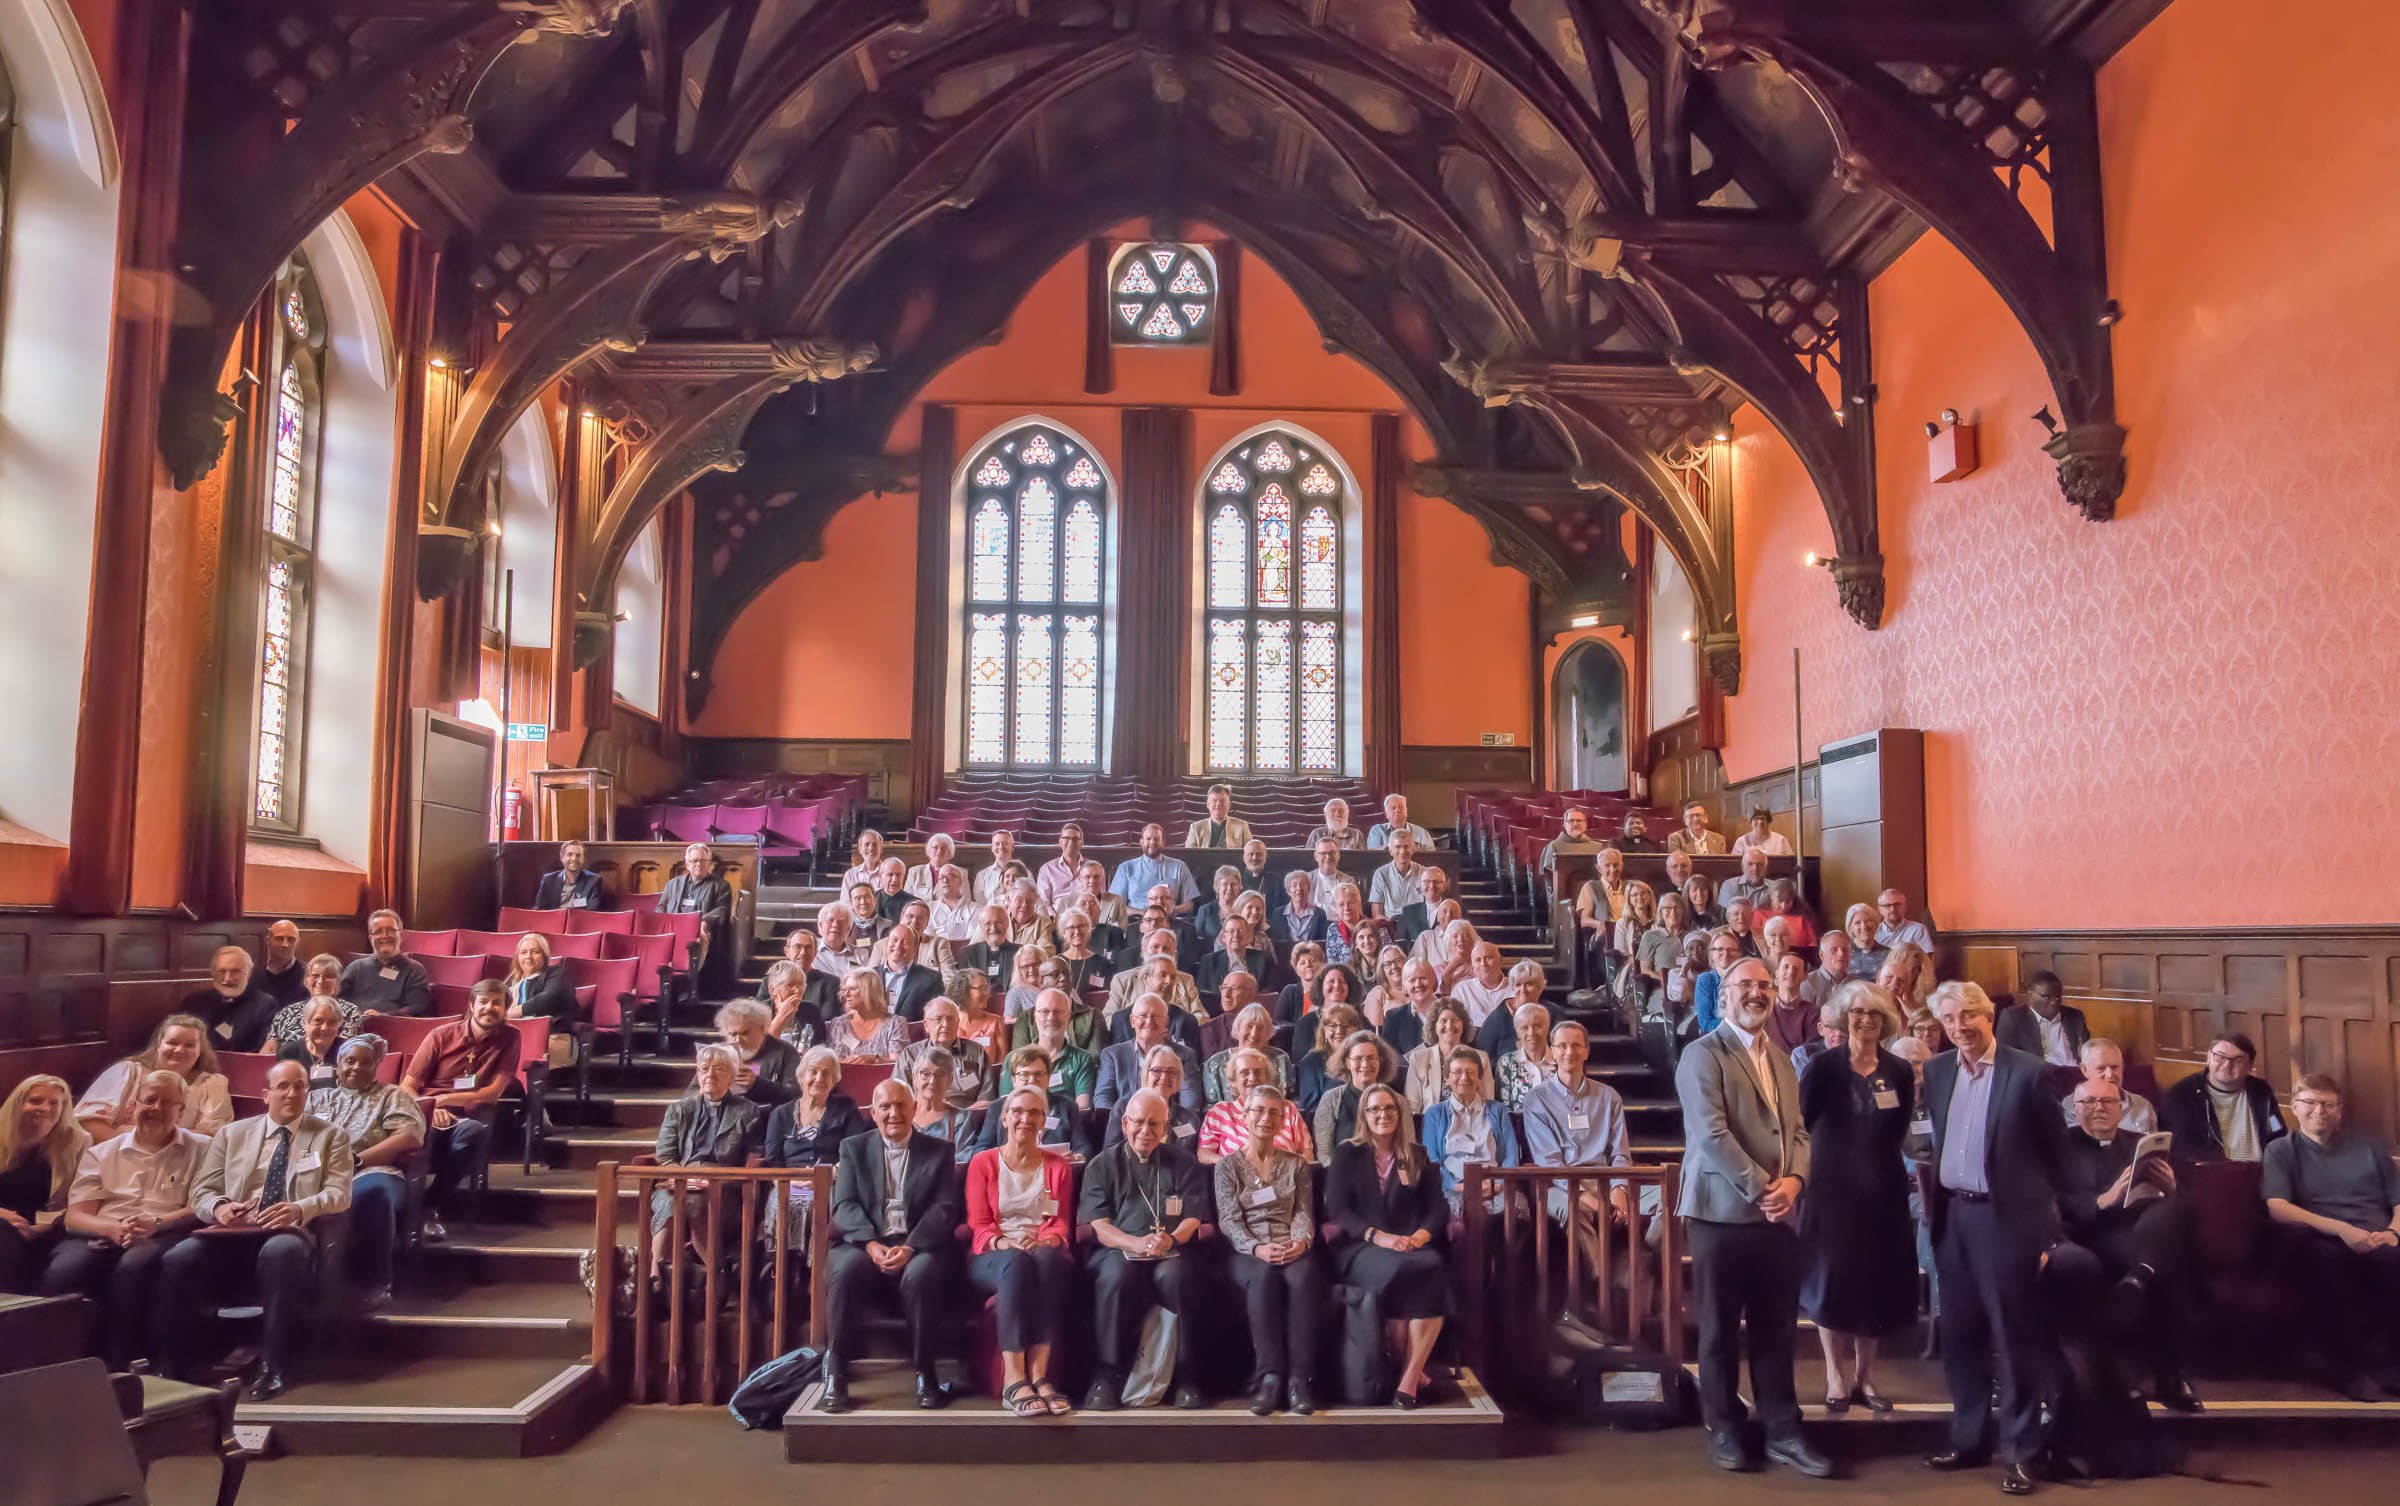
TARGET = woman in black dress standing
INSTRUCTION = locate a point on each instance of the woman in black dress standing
(1861, 1278)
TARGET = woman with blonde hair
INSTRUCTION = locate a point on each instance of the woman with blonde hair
(1907, 975)
(866, 1030)
(179, 1045)
(1385, 1200)
(40, 1144)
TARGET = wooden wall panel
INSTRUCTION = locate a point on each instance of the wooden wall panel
(76, 992)
(2315, 1000)
(1431, 774)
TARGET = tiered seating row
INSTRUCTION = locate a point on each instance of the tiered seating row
(1113, 809)
(1508, 829)
(787, 815)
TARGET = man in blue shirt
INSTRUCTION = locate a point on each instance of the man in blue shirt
(1135, 876)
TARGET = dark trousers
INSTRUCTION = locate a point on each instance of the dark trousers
(1124, 1291)
(2079, 1274)
(200, 1270)
(121, 1281)
(1285, 1303)
(375, 1205)
(24, 1253)
(924, 1286)
(1746, 1287)
(2353, 1301)
(457, 1154)
(1033, 1288)
(1990, 1330)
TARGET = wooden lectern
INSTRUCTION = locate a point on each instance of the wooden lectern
(575, 803)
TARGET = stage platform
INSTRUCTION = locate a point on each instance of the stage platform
(884, 1425)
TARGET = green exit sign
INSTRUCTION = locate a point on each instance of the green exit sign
(528, 732)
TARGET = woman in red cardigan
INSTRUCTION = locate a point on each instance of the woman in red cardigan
(1019, 1198)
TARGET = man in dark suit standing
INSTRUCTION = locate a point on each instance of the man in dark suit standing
(897, 1206)
(910, 984)
(1745, 1163)
(1996, 1136)
(2045, 1025)
(572, 886)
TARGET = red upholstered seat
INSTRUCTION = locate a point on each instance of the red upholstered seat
(429, 943)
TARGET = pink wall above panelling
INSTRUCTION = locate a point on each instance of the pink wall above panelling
(2186, 716)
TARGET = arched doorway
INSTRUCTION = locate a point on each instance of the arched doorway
(1587, 719)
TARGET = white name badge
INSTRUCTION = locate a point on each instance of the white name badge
(1579, 1121)
(1921, 1125)
(1886, 1098)
(389, 974)
(306, 1163)
(462, 1084)
(320, 1074)
(1185, 1130)
(1049, 1205)
(1259, 1197)
(1174, 1207)
(224, 1032)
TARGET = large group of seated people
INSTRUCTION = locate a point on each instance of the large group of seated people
(1036, 1040)
(169, 1205)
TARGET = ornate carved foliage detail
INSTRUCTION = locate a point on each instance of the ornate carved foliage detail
(1859, 580)
(1724, 654)
(2091, 467)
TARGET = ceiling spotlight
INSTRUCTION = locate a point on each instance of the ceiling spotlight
(624, 616)
(1950, 417)
(494, 526)
(1687, 635)
(1722, 431)
(1932, 429)
(2110, 312)
(437, 362)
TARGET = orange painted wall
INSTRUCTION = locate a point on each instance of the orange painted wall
(2182, 717)
(1466, 651)
(787, 671)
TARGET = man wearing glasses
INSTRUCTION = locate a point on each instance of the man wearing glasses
(2224, 1113)
(2336, 1195)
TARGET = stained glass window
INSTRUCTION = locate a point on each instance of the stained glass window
(1037, 510)
(287, 517)
(1274, 610)
(1163, 294)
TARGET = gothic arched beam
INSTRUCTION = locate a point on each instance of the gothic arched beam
(1752, 355)
(587, 119)
(1496, 40)
(704, 435)
(1621, 463)
(240, 226)
(942, 172)
(595, 307)
(823, 38)
(1886, 136)
(1397, 191)
(1318, 52)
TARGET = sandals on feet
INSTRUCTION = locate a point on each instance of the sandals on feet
(1023, 1400)
(1053, 1398)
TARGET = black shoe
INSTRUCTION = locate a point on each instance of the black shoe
(1304, 1400)
(1188, 1397)
(1409, 1401)
(834, 1396)
(2129, 1299)
(1874, 1401)
(1951, 1459)
(1267, 1397)
(1791, 1449)
(2014, 1481)
(1835, 1406)
(1726, 1451)
(268, 1386)
(932, 1395)
(2361, 1388)
(2175, 1394)
(1105, 1395)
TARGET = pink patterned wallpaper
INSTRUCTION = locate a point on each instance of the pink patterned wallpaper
(2191, 715)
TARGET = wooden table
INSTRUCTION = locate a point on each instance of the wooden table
(599, 790)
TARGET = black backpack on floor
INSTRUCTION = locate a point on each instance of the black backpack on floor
(769, 1391)
(1586, 1377)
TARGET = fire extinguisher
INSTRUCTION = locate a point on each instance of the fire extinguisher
(512, 813)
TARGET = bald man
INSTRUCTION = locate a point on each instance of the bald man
(897, 1205)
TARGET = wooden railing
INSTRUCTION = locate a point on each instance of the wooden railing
(680, 1350)
(1524, 1272)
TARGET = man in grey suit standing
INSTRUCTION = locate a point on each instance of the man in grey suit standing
(1745, 1161)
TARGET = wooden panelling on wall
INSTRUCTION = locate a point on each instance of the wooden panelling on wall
(1773, 791)
(1430, 776)
(883, 760)
(1682, 767)
(2314, 1000)
(76, 992)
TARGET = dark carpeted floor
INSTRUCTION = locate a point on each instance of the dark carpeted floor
(695, 1457)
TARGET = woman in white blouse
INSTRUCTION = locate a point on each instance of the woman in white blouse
(179, 1045)
(954, 912)
(923, 879)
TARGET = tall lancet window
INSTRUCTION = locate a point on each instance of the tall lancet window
(288, 538)
(1271, 522)
(1037, 521)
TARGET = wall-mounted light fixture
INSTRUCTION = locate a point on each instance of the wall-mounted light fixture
(1951, 448)
(1587, 620)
